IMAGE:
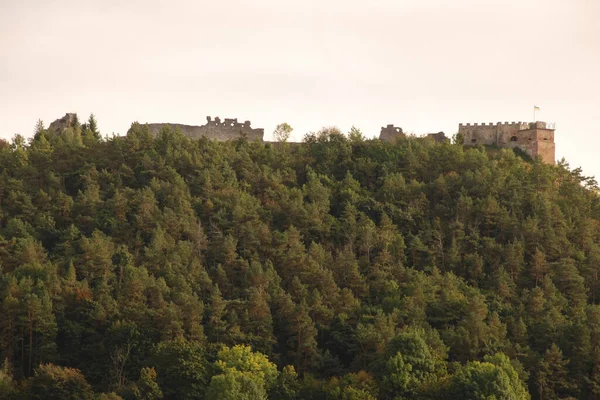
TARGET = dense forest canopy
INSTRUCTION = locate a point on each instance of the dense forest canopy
(339, 268)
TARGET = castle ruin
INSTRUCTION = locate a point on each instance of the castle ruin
(439, 137)
(390, 133)
(217, 130)
(63, 123)
(534, 138)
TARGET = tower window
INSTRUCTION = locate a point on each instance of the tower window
(513, 139)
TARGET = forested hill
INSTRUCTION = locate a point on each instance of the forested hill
(339, 268)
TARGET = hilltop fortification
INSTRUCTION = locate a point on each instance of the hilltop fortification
(534, 138)
(217, 130)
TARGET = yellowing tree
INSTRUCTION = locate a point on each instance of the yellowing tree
(282, 132)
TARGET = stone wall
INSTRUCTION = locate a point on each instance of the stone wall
(63, 123)
(546, 151)
(390, 133)
(439, 137)
(534, 138)
(214, 129)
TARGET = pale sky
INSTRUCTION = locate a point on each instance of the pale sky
(423, 65)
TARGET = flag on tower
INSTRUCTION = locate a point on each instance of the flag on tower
(536, 108)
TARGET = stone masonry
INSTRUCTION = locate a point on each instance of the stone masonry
(439, 137)
(217, 130)
(63, 123)
(534, 138)
(390, 133)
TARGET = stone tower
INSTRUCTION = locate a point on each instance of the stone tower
(534, 138)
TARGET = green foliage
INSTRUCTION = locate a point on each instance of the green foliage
(337, 268)
(236, 385)
(411, 367)
(146, 387)
(53, 382)
(287, 385)
(242, 374)
(282, 132)
(108, 396)
(243, 359)
(494, 379)
(7, 384)
(552, 376)
(353, 386)
(181, 367)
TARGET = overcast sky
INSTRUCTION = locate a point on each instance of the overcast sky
(423, 65)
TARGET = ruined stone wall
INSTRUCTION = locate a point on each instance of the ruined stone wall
(63, 123)
(227, 130)
(439, 137)
(390, 133)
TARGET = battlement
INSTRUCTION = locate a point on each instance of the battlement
(215, 129)
(228, 123)
(493, 124)
(522, 125)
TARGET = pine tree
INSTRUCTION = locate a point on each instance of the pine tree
(538, 266)
(217, 323)
(92, 125)
(552, 380)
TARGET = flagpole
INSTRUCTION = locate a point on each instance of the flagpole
(533, 113)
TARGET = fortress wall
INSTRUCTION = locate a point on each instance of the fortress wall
(546, 150)
(526, 137)
(534, 135)
(499, 133)
(223, 133)
(506, 131)
(187, 130)
(216, 130)
(545, 135)
(477, 134)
